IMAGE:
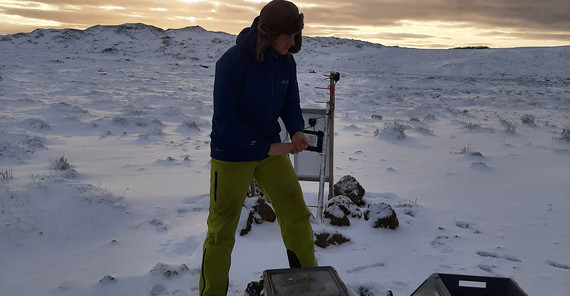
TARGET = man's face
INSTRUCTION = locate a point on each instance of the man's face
(282, 44)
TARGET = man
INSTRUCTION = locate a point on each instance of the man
(255, 84)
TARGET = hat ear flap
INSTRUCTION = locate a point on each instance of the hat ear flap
(298, 43)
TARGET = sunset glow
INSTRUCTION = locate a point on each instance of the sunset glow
(407, 23)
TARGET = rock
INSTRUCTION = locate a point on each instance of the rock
(168, 270)
(325, 239)
(107, 279)
(382, 216)
(336, 216)
(259, 213)
(346, 205)
(365, 291)
(349, 186)
(266, 213)
(248, 224)
(339, 208)
(256, 191)
(254, 288)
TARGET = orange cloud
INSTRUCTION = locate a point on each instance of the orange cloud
(426, 23)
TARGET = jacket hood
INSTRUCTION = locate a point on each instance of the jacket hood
(247, 38)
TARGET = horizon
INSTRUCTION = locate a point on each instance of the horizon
(409, 23)
(346, 38)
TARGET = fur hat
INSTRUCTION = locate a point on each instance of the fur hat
(278, 17)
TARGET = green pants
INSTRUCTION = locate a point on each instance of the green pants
(229, 182)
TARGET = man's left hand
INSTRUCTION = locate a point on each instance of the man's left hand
(300, 142)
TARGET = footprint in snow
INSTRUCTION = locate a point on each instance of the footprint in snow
(462, 224)
(365, 267)
(158, 225)
(439, 243)
(558, 265)
(467, 225)
(498, 256)
(487, 268)
(480, 166)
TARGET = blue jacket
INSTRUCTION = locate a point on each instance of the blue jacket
(249, 97)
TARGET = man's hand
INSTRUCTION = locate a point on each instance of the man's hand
(280, 148)
(300, 142)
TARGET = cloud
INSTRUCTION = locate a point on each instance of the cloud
(501, 13)
(395, 20)
(403, 36)
(531, 36)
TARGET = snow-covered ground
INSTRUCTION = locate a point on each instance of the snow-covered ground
(480, 180)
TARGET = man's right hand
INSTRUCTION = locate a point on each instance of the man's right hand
(281, 148)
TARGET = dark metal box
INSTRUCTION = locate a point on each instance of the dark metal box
(440, 284)
(314, 281)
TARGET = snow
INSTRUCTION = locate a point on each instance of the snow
(129, 107)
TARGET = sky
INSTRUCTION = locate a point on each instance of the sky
(406, 23)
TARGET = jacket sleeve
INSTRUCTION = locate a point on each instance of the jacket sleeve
(228, 86)
(291, 113)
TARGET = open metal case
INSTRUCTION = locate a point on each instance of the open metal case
(312, 281)
(441, 284)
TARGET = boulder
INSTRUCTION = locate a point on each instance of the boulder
(381, 216)
(168, 270)
(336, 216)
(265, 211)
(259, 213)
(339, 209)
(254, 288)
(325, 239)
(349, 186)
(346, 205)
(256, 191)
